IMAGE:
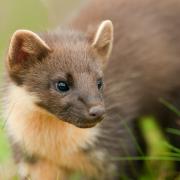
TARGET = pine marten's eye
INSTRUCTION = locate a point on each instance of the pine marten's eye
(99, 83)
(62, 86)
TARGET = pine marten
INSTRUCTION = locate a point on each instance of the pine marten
(71, 103)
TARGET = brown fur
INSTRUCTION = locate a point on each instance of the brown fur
(33, 116)
(143, 68)
(144, 65)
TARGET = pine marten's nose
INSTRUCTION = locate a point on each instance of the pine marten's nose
(96, 111)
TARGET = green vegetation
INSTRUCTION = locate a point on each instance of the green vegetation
(4, 146)
(20, 14)
(159, 162)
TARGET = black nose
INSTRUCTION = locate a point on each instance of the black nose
(96, 111)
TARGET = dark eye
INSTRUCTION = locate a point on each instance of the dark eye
(62, 86)
(99, 83)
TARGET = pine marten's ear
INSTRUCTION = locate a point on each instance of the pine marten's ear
(103, 39)
(26, 45)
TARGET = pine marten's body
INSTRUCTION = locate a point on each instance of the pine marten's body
(58, 118)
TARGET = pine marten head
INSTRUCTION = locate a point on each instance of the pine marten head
(64, 70)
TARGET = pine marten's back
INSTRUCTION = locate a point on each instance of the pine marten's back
(146, 42)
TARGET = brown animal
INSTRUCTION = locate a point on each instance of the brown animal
(61, 118)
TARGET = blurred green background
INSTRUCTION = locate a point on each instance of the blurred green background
(40, 15)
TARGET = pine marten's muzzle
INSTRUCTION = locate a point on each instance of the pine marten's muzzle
(95, 115)
(93, 108)
(96, 112)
